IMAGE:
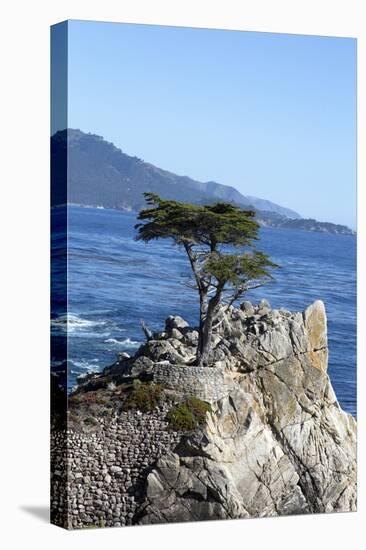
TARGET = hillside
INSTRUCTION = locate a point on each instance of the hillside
(100, 174)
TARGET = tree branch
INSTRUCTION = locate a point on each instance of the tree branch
(148, 333)
(192, 261)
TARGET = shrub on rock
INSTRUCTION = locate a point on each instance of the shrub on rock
(189, 415)
(144, 396)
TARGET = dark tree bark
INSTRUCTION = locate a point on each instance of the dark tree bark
(203, 315)
(206, 324)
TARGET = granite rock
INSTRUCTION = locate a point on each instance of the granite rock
(276, 441)
(277, 444)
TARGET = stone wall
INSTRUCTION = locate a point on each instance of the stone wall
(206, 383)
(106, 468)
(277, 441)
(99, 471)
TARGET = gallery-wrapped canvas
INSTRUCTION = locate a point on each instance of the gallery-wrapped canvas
(203, 323)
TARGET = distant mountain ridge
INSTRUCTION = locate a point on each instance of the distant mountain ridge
(100, 174)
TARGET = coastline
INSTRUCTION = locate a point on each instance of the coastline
(269, 418)
(316, 227)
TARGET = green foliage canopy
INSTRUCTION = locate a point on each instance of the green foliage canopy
(210, 225)
(209, 233)
(204, 231)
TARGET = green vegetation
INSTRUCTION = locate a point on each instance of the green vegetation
(189, 415)
(144, 396)
(221, 275)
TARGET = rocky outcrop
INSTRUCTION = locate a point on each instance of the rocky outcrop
(279, 443)
(275, 442)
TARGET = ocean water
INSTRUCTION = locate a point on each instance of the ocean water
(115, 281)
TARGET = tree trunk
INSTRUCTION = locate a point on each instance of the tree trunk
(204, 342)
(203, 314)
(205, 329)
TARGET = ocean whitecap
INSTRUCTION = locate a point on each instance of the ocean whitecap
(85, 365)
(71, 322)
(126, 342)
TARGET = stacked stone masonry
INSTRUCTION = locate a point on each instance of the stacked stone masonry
(106, 468)
(207, 383)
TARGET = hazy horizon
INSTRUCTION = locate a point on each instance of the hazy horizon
(271, 115)
(188, 175)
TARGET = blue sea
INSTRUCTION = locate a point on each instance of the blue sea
(115, 281)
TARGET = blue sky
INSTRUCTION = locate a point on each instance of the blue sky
(272, 115)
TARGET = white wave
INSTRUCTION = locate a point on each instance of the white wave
(81, 376)
(71, 322)
(126, 343)
(84, 365)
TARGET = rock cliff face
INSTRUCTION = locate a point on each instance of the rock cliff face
(278, 443)
(276, 440)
